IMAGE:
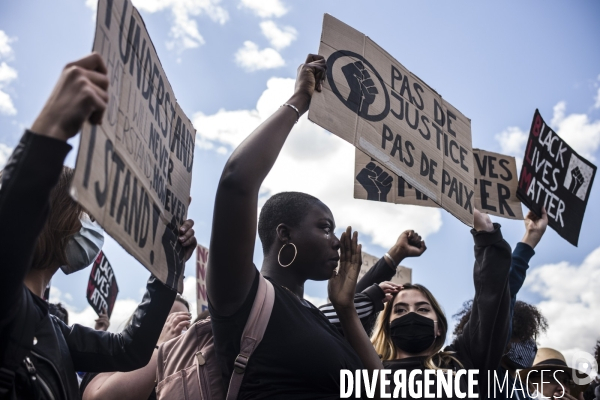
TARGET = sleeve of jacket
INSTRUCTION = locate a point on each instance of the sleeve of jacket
(380, 272)
(30, 174)
(518, 272)
(99, 351)
(367, 303)
(484, 335)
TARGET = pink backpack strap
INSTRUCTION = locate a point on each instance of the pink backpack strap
(253, 333)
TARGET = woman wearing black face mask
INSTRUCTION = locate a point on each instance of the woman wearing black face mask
(411, 330)
(41, 230)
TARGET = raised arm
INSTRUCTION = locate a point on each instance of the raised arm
(34, 168)
(409, 244)
(484, 335)
(230, 268)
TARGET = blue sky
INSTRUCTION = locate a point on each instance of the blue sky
(231, 64)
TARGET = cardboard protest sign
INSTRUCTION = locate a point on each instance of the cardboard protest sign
(403, 274)
(201, 263)
(134, 171)
(102, 288)
(554, 176)
(495, 184)
(372, 101)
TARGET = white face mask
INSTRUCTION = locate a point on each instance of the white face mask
(84, 246)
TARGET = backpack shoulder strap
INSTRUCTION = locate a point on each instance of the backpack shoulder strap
(253, 333)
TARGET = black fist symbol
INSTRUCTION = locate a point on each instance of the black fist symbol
(577, 180)
(376, 182)
(174, 253)
(362, 87)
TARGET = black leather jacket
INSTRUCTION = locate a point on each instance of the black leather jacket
(51, 351)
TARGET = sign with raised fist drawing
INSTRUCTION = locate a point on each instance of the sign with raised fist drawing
(554, 176)
(134, 171)
(495, 182)
(370, 100)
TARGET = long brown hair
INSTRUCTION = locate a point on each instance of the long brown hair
(62, 223)
(382, 339)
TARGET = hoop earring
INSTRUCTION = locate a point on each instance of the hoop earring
(279, 255)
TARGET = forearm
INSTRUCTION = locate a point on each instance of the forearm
(358, 339)
(96, 351)
(252, 160)
(133, 385)
(27, 180)
(382, 271)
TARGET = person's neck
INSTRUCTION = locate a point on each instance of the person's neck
(283, 277)
(37, 280)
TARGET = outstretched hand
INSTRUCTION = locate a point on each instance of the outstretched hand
(310, 77)
(535, 227)
(342, 285)
(79, 95)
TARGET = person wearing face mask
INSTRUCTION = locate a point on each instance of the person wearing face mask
(411, 330)
(41, 230)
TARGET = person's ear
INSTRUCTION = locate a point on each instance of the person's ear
(283, 233)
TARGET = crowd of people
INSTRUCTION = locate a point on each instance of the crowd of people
(371, 324)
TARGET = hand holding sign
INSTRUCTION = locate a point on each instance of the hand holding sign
(79, 95)
(482, 221)
(310, 76)
(535, 227)
(103, 322)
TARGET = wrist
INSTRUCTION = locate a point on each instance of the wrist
(301, 101)
(50, 130)
(397, 255)
(531, 240)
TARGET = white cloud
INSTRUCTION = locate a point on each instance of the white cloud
(265, 8)
(577, 130)
(189, 293)
(7, 75)
(123, 309)
(278, 37)
(6, 51)
(6, 104)
(5, 152)
(570, 303)
(316, 162)
(184, 30)
(251, 58)
(512, 141)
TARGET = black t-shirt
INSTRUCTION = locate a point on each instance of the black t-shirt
(300, 356)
